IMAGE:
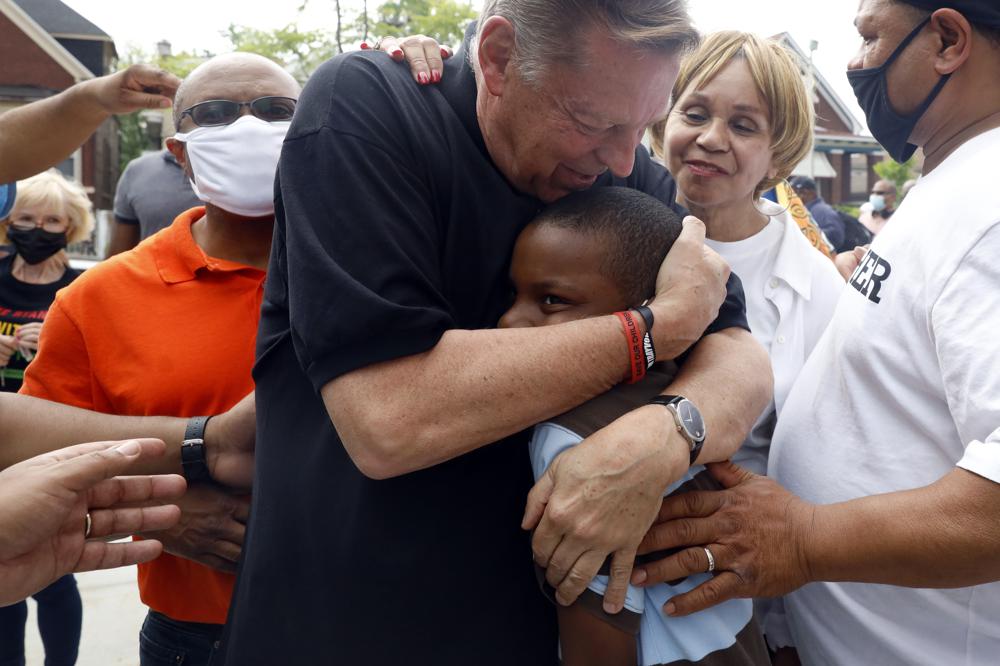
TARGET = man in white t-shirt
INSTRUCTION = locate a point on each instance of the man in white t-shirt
(888, 434)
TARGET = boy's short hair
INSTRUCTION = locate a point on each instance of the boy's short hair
(638, 231)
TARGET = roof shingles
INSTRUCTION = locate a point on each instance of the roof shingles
(57, 18)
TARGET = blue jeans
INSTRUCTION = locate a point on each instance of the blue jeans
(167, 642)
(60, 615)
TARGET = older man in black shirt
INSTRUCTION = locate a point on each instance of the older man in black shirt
(392, 468)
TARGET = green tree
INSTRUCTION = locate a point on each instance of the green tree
(298, 51)
(444, 20)
(895, 172)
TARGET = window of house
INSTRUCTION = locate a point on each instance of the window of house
(859, 176)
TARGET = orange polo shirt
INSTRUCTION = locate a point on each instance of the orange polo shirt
(162, 330)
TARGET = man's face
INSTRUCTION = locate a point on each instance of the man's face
(556, 277)
(887, 192)
(238, 81)
(559, 134)
(882, 26)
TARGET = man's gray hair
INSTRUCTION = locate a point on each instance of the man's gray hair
(548, 32)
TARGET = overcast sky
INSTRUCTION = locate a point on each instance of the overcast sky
(197, 24)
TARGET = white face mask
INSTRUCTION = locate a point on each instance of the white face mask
(877, 201)
(234, 165)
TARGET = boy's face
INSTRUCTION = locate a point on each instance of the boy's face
(556, 278)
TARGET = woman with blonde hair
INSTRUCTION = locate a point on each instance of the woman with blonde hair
(48, 213)
(740, 120)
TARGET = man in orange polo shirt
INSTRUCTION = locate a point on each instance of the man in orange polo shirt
(169, 327)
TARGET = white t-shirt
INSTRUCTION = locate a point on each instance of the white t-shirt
(791, 290)
(906, 375)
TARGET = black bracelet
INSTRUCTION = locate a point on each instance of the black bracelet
(647, 339)
(647, 316)
(193, 460)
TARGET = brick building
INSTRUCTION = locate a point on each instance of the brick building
(45, 47)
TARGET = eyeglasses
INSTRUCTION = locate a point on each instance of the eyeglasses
(50, 223)
(881, 192)
(215, 112)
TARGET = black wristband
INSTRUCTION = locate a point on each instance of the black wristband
(193, 460)
(647, 340)
(647, 316)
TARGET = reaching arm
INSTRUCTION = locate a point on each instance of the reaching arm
(768, 542)
(942, 535)
(37, 136)
(30, 427)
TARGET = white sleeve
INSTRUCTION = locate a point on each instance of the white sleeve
(983, 458)
(547, 441)
(965, 325)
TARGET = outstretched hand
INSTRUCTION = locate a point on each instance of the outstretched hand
(756, 530)
(135, 88)
(44, 502)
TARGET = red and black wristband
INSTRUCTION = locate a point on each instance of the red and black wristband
(636, 353)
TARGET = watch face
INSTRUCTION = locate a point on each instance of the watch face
(691, 420)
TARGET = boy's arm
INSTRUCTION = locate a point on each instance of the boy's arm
(587, 641)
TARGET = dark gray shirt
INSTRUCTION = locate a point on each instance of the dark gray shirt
(153, 191)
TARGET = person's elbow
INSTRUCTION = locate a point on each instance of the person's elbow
(383, 438)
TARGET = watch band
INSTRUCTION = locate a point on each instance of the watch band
(671, 402)
(193, 459)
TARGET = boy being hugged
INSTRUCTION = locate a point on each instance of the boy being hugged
(595, 253)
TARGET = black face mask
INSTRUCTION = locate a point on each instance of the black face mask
(871, 88)
(36, 245)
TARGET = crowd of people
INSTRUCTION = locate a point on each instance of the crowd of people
(458, 371)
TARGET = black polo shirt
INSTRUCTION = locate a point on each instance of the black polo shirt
(393, 226)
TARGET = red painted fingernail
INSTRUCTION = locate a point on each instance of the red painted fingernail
(364, 46)
(423, 78)
(435, 76)
(445, 53)
(397, 53)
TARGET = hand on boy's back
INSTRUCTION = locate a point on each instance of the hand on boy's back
(690, 288)
(599, 498)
